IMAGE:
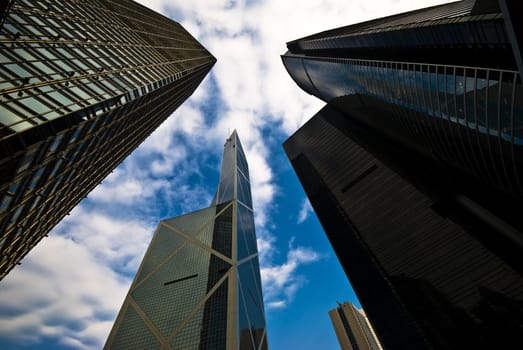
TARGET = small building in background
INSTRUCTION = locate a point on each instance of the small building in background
(353, 329)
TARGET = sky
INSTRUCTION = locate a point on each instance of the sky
(68, 290)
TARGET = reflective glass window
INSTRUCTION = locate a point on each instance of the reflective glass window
(252, 303)
(7, 117)
(244, 190)
(4, 203)
(297, 71)
(246, 232)
(36, 178)
(331, 79)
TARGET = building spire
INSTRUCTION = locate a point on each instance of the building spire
(234, 176)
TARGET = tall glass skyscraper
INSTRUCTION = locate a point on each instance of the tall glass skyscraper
(415, 169)
(443, 81)
(82, 84)
(198, 286)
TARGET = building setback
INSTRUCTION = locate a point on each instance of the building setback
(198, 286)
(415, 169)
(82, 84)
(353, 329)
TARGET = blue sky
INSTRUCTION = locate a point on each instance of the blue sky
(67, 291)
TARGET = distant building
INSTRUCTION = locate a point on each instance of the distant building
(199, 286)
(353, 329)
(415, 169)
(82, 84)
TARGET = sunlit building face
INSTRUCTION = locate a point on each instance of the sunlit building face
(82, 84)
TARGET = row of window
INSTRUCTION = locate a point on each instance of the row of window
(47, 102)
(52, 167)
(49, 81)
(64, 172)
(147, 22)
(472, 117)
(93, 20)
(486, 30)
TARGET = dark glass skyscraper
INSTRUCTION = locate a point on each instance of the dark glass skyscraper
(415, 169)
(82, 84)
(199, 286)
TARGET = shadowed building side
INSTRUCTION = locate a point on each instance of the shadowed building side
(421, 265)
(199, 286)
(442, 81)
(415, 169)
(82, 84)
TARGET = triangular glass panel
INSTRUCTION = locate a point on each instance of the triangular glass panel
(246, 234)
(192, 223)
(207, 328)
(226, 191)
(255, 268)
(205, 235)
(213, 334)
(133, 333)
(244, 326)
(217, 269)
(164, 242)
(188, 338)
(244, 192)
(253, 302)
(242, 161)
(222, 230)
(180, 283)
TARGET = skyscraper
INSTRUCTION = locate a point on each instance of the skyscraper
(415, 168)
(198, 286)
(82, 84)
(353, 329)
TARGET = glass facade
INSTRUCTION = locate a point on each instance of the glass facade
(468, 116)
(442, 80)
(199, 285)
(81, 85)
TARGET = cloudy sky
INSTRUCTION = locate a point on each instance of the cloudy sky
(67, 291)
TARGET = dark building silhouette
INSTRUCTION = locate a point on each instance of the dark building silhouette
(199, 285)
(82, 84)
(415, 169)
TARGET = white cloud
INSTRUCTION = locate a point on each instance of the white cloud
(278, 304)
(118, 188)
(281, 282)
(63, 291)
(305, 210)
(117, 243)
(165, 164)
